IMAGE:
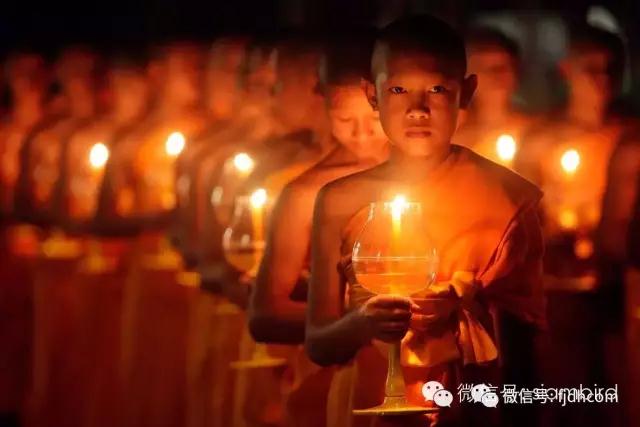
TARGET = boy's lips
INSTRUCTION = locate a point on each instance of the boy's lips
(418, 132)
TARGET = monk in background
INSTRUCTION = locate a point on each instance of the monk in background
(155, 306)
(98, 283)
(618, 249)
(278, 303)
(27, 77)
(568, 155)
(53, 393)
(482, 220)
(278, 158)
(492, 125)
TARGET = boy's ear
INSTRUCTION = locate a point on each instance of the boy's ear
(469, 85)
(370, 91)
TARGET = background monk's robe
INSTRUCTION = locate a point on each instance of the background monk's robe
(287, 160)
(583, 312)
(482, 219)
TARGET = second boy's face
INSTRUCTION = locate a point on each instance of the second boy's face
(418, 102)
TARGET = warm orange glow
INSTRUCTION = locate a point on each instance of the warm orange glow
(583, 248)
(243, 163)
(398, 205)
(98, 155)
(568, 219)
(570, 161)
(175, 144)
(506, 147)
(258, 198)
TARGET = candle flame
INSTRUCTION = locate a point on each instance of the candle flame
(570, 161)
(243, 162)
(258, 198)
(568, 219)
(506, 147)
(98, 155)
(398, 205)
(175, 144)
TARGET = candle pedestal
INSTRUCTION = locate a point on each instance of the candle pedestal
(394, 256)
(243, 244)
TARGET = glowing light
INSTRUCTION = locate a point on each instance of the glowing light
(243, 162)
(258, 198)
(570, 161)
(583, 248)
(98, 155)
(568, 219)
(506, 147)
(398, 205)
(175, 144)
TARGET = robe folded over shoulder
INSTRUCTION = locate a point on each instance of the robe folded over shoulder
(483, 221)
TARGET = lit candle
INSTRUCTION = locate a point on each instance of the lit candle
(506, 148)
(570, 161)
(243, 163)
(175, 144)
(258, 200)
(568, 219)
(398, 205)
(98, 156)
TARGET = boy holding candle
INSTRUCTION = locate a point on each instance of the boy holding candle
(483, 220)
(277, 310)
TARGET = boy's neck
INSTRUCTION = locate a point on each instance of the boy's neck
(408, 167)
(586, 114)
(491, 114)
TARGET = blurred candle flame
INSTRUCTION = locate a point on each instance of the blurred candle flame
(568, 219)
(506, 147)
(98, 155)
(243, 163)
(175, 144)
(570, 161)
(398, 205)
(258, 198)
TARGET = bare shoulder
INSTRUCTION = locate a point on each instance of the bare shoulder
(492, 178)
(345, 196)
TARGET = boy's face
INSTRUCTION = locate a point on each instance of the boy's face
(590, 75)
(497, 74)
(354, 123)
(296, 96)
(130, 89)
(419, 102)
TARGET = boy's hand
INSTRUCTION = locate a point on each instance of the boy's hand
(386, 317)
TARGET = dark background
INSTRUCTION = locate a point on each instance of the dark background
(539, 26)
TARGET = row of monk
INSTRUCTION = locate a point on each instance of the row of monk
(199, 240)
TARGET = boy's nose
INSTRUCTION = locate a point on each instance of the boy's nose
(418, 114)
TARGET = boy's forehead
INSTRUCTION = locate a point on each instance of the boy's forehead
(415, 61)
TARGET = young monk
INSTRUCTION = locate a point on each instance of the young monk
(277, 310)
(26, 76)
(482, 220)
(492, 126)
(223, 96)
(38, 183)
(568, 157)
(618, 249)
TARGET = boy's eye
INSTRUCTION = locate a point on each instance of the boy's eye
(397, 90)
(438, 89)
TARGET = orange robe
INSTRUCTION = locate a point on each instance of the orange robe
(483, 220)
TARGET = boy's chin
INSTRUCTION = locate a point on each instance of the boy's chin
(422, 147)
